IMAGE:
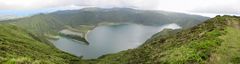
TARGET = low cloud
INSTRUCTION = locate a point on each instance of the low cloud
(38, 4)
(191, 6)
(224, 8)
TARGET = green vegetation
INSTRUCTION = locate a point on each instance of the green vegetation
(50, 24)
(81, 28)
(78, 33)
(76, 37)
(17, 46)
(228, 52)
(39, 24)
(215, 41)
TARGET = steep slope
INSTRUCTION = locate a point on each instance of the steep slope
(216, 41)
(39, 24)
(56, 21)
(20, 47)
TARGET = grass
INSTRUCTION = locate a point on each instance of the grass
(17, 46)
(196, 51)
(211, 42)
(228, 52)
(215, 41)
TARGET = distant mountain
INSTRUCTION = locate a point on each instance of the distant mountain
(216, 41)
(122, 15)
(54, 22)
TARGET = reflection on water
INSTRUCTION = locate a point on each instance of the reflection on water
(110, 39)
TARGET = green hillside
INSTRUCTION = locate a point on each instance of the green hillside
(20, 47)
(51, 23)
(216, 41)
(39, 24)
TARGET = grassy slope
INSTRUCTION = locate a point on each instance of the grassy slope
(51, 23)
(214, 42)
(228, 52)
(17, 46)
(39, 24)
(48, 25)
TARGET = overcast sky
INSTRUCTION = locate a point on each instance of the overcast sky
(202, 7)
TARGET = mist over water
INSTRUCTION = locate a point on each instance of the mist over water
(111, 39)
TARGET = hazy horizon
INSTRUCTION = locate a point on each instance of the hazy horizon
(208, 8)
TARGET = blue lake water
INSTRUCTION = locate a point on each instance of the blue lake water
(110, 39)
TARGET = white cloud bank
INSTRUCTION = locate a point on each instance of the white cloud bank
(188, 6)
